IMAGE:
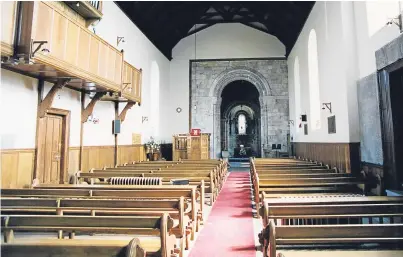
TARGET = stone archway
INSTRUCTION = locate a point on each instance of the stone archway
(208, 80)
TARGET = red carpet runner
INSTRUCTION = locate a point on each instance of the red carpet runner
(229, 228)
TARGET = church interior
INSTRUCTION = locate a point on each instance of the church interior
(201, 128)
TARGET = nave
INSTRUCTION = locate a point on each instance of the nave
(201, 128)
(316, 211)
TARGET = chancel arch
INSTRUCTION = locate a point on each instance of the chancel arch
(268, 77)
(240, 119)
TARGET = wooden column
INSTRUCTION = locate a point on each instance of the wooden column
(116, 135)
(80, 157)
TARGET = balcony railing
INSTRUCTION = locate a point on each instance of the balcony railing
(95, 4)
(89, 10)
(54, 45)
(8, 23)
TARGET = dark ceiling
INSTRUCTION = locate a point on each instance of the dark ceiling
(165, 23)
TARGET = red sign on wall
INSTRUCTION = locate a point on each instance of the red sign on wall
(195, 132)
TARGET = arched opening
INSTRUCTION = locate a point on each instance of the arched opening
(154, 99)
(314, 94)
(297, 91)
(240, 120)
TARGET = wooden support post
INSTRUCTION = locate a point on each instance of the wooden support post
(46, 103)
(116, 135)
(80, 167)
(87, 111)
(123, 113)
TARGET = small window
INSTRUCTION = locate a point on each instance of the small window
(314, 94)
(305, 129)
(241, 124)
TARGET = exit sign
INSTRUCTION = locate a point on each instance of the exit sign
(195, 132)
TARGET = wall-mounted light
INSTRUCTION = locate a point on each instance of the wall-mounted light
(39, 45)
(328, 106)
(291, 122)
(120, 40)
(143, 119)
(396, 21)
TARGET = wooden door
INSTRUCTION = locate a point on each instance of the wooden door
(50, 152)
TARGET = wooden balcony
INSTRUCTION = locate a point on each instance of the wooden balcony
(8, 25)
(52, 45)
(89, 10)
(131, 86)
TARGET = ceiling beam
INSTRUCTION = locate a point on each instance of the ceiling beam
(200, 28)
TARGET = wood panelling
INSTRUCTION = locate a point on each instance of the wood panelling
(17, 166)
(132, 82)
(191, 147)
(344, 156)
(8, 23)
(101, 156)
(130, 153)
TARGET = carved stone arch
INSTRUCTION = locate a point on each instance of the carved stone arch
(240, 73)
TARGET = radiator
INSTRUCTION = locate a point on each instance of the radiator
(135, 181)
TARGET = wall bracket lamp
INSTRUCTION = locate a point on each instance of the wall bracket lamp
(328, 106)
(39, 45)
(291, 122)
(143, 119)
(120, 40)
(397, 21)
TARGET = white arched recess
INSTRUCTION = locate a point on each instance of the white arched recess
(297, 92)
(155, 99)
(314, 94)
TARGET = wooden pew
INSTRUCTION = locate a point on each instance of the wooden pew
(301, 186)
(74, 248)
(348, 206)
(154, 229)
(104, 207)
(117, 192)
(315, 235)
(213, 184)
(195, 177)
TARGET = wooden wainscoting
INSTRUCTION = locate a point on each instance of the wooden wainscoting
(344, 156)
(130, 153)
(17, 167)
(103, 156)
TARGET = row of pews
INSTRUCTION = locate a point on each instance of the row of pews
(101, 219)
(308, 206)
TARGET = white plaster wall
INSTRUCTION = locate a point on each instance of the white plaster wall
(348, 35)
(325, 19)
(220, 41)
(18, 108)
(141, 53)
(371, 32)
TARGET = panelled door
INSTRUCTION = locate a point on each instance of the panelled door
(50, 149)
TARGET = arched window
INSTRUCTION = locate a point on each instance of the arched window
(314, 94)
(241, 124)
(155, 98)
(297, 90)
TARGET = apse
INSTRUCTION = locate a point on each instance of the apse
(240, 120)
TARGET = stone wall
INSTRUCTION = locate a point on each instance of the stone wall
(269, 76)
(370, 121)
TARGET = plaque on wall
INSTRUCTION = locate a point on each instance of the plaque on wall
(305, 129)
(331, 124)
